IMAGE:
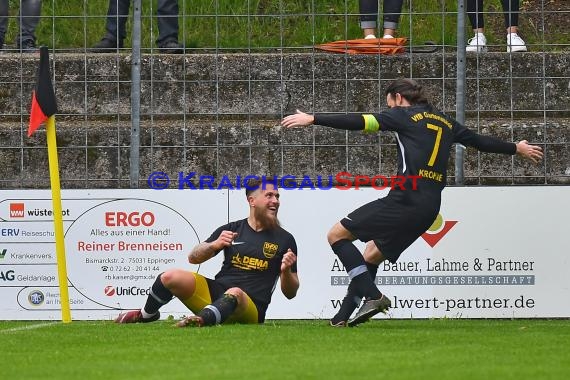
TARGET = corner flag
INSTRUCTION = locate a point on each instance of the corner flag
(44, 108)
(43, 97)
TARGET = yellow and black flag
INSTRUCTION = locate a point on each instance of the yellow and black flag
(43, 109)
(43, 97)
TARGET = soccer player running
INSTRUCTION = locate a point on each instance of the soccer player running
(257, 252)
(389, 225)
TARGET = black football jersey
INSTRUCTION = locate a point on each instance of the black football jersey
(424, 138)
(253, 261)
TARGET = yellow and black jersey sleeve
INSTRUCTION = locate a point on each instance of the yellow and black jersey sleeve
(389, 120)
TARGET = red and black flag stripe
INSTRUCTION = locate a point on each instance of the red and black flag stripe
(43, 97)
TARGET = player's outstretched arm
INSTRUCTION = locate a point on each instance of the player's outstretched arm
(530, 152)
(351, 122)
(299, 119)
(205, 251)
(492, 144)
(289, 279)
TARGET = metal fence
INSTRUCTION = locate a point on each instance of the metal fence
(214, 109)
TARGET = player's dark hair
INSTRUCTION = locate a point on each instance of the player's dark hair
(409, 89)
(259, 183)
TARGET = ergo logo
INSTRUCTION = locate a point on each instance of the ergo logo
(132, 219)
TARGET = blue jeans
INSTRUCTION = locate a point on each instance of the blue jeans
(167, 14)
(28, 19)
(368, 10)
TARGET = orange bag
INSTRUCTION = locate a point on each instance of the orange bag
(388, 46)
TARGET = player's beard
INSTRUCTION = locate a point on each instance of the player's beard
(267, 222)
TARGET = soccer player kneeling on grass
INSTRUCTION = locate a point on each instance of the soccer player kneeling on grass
(257, 251)
(390, 225)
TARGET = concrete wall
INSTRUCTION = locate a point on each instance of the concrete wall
(219, 114)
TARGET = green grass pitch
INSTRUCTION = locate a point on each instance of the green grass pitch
(387, 349)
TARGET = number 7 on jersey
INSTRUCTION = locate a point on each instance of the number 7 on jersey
(436, 143)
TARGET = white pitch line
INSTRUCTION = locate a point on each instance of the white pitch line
(29, 327)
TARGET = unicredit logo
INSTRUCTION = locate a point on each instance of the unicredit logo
(111, 291)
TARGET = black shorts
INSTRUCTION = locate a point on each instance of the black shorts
(393, 222)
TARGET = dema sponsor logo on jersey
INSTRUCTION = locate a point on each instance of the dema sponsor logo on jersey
(270, 249)
(249, 263)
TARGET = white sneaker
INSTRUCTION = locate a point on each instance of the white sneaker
(387, 36)
(370, 37)
(515, 43)
(478, 43)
